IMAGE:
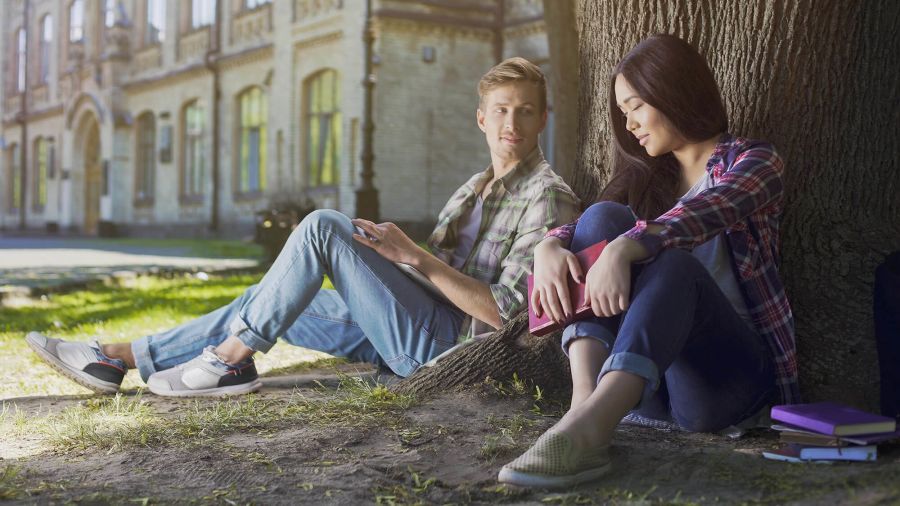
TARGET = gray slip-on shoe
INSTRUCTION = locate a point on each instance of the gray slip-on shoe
(81, 362)
(555, 462)
(206, 376)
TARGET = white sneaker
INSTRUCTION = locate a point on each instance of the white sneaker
(206, 376)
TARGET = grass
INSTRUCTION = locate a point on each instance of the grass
(205, 248)
(108, 424)
(117, 314)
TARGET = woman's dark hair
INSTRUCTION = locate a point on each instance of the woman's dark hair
(669, 74)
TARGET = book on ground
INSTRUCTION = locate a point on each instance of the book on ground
(833, 419)
(796, 453)
(542, 325)
(791, 434)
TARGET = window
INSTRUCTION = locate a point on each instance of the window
(46, 43)
(146, 158)
(76, 21)
(109, 13)
(20, 60)
(323, 128)
(252, 4)
(156, 22)
(203, 13)
(41, 166)
(14, 160)
(193, 159)
(252, 142)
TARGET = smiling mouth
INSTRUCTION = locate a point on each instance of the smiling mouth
(512, 140)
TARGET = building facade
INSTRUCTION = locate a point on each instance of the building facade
(177, 117)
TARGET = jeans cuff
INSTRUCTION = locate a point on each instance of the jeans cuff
(252, 340)
(140, 348)
(635, 364)
(586, 329)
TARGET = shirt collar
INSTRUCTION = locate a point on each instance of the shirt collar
(718, 155)
(519, 173)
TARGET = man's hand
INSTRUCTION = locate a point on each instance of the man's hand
(552, 266)
(388, 241)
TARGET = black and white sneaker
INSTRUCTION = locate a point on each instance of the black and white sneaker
(206, 376)
(83, 363)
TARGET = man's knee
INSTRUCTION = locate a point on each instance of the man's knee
(323, 220)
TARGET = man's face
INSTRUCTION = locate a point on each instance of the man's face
(511, 118)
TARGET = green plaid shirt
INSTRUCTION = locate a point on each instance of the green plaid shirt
(522, 206)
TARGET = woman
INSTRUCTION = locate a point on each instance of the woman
(691, 321)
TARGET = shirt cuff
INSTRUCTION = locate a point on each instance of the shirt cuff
(509, 301)
(653, 243)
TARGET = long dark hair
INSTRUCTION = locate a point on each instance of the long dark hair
(669, 74)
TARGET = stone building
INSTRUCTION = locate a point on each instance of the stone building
(111, 118)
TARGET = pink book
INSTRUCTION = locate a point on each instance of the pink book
(833, 419)
(543, 325)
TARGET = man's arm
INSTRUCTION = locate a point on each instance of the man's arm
(470, 295)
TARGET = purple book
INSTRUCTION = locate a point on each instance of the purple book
(833, 419)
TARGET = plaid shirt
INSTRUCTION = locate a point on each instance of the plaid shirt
(745, 203)
(522, 206)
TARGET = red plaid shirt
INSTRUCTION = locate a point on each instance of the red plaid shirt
(745, 203)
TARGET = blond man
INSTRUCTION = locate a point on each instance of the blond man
(480, 255)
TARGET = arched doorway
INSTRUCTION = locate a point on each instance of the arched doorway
(93, 176)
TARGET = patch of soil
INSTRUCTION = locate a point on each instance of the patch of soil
(445, 450)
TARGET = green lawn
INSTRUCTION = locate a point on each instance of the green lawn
(116, 314)
(205, 248)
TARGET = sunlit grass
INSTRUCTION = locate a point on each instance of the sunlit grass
(206, 248)
(117, 314)
(112, 423)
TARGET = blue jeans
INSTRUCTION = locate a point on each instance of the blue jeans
(706, 368)
(375, 314)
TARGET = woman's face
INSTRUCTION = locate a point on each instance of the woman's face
(653, 131)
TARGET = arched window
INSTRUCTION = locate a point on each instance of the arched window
(156, 22)
(146, 159)
(20, 60)
(323, 128)
(46, 44)
(254, 113)
(14, 176)
(203, 13)
(76, 21)
(193, 155)
(41, 171)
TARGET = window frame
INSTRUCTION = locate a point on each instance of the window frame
(312, 123)
(154, 29)
(40, 174)
(46, 43)
(193, 153)
(79, 27)
(145, 160)
(207, 13)
(247, 111)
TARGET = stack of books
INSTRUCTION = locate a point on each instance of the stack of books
(827, 431)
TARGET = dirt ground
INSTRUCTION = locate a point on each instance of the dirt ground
(446, 450)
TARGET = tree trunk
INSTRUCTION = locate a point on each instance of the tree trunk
(818, 79)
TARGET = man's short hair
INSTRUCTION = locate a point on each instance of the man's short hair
(512, 70)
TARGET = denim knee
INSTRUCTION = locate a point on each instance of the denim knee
(321, 220)
(602, 221)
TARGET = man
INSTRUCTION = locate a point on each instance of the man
(481, 255)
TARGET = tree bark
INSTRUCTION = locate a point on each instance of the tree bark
(818, 79)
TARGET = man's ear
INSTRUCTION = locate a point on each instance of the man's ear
(479, 118)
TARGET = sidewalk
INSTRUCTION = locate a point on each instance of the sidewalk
(33, 266)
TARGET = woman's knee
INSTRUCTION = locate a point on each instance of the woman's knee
(604, 221)
(675, 262)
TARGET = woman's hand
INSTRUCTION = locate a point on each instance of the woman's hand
(552, 266)
(608, 283)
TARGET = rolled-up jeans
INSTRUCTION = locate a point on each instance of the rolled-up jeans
(375, 313)
(706, 368)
